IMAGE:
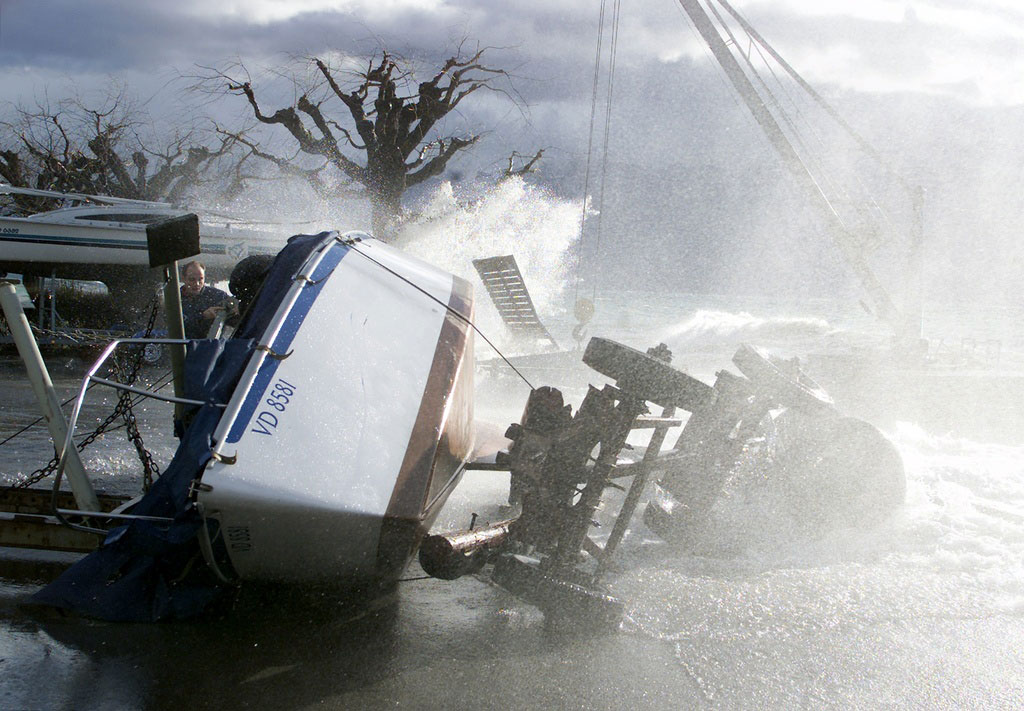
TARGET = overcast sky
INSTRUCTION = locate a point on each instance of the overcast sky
(967, 51)
(968, 48)
(939, 84)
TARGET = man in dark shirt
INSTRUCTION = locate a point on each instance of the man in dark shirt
(199, 303)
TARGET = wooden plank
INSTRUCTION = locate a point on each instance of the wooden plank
(43, 533)
(26, 521)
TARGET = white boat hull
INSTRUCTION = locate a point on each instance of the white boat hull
(25, 242)
(332, 462)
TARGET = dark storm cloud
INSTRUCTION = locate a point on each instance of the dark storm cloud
(549, 46)
(85, 36)
(113, 35)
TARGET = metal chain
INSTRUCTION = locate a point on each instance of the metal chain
(123, 410)
(149, 467)
(49, 468)
(124, 407)
(34, 478)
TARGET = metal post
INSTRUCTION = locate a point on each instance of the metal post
(52, 284)
(574, 539)
(175, 329)
(41, 297)
(38, 376)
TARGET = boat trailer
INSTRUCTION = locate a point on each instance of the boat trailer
(562, 463)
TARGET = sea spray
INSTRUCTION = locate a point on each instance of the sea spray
(952, 555)
(532, 224)
(712, 327)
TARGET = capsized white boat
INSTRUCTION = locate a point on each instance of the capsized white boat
(333, 460)
(322, 440)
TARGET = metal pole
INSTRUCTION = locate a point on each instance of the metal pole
(175, 329)
(633, 496)
(49, 404)
(41, 298)
(52, 284)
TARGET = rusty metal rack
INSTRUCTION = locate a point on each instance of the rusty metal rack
(561, 464)
(504, 283)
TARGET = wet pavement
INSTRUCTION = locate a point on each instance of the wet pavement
(924, 613)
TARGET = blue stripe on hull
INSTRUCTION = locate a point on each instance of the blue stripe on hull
(292, 322)
(94, 243)
(76, 241)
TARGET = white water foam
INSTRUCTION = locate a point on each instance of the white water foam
(953, 556)
(513, 217)
(713, 327)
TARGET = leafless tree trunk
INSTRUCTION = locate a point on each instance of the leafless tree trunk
(380, 131)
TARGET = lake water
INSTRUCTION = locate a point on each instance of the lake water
(923, 611)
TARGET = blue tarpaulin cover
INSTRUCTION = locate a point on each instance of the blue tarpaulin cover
(147, 571)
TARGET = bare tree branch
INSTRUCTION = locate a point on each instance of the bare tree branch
(365, 124)
(511, 171)
(100, 149)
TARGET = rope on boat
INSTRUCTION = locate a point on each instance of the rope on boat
(136, 401)
(448, 308)
(34, 422)
(609, 91)
(590, 142)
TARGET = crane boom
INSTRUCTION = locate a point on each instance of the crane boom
(882, 303)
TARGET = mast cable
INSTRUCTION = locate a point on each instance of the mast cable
(785, 120)
(809, 155)
(865, 145)
(723, 80)
(590, 143)
(794, 136)
(448, 308)
(867, 223)
(613, 49)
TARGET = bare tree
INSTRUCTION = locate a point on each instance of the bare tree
(377, 129)
(100, 150)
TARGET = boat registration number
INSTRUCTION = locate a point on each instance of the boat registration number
(273, 406)
(239, 538)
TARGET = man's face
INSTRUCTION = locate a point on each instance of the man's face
(193, 280)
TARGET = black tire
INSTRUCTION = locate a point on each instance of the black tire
(799, 391)
(845, 473)
(646, 377)
(571, 606)
(668, 526)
